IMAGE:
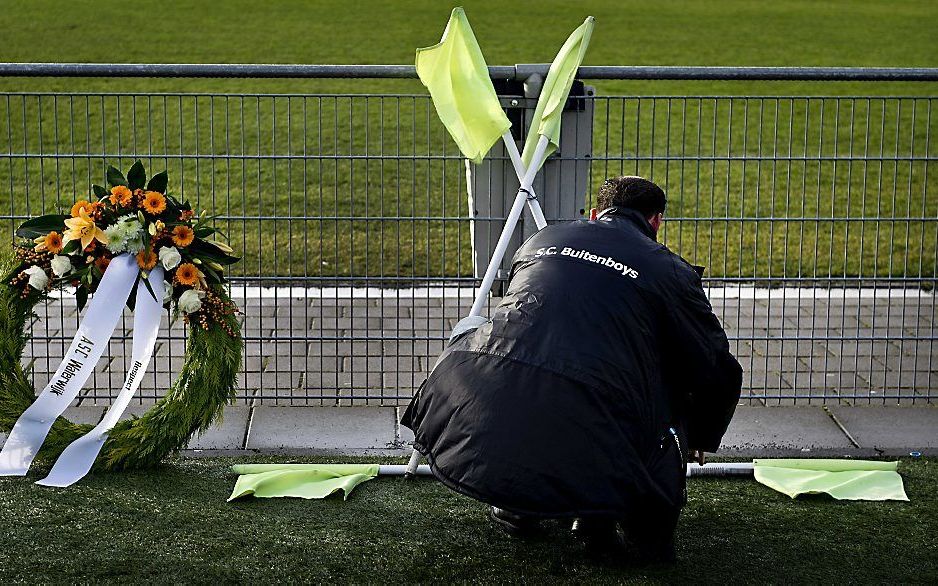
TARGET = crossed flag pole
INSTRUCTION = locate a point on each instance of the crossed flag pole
(455, 73)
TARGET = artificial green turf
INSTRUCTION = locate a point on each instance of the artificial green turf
(173, 525)
(729, 32)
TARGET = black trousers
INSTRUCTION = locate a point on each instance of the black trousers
(651, 521)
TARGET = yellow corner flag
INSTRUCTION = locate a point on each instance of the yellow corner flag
(550, 104)
(454, 71)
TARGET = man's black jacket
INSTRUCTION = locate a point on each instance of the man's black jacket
(602, 365)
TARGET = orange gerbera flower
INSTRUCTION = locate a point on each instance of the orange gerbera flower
(146, 259)
(80, 205)
(187, 274)
(102, 262)
(183, 236)
(51, 242)
(121, 196)
(154, 202)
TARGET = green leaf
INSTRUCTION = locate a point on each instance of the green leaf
(99, 191)
(176, 203)
(41, 225)
(204, 232)
(158, 182)
(206, 251)
(136, 176)
(206, 219)
(81, 297)
(71, 247)
(132, 298)
(211, 275)
(115, 177)
(149, 287)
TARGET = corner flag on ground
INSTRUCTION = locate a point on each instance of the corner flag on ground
(546, 121)
(455, 72)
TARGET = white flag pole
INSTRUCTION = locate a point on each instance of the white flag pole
(78, 458)
(527, 178)
(510, 222)
(515, 156)
(693, 469)
(105, 308)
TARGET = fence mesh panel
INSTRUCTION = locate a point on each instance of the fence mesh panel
(816, 218)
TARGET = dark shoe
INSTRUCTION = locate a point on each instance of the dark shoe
(599, 535)
(514, 524)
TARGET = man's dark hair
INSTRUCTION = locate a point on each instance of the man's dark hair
(634, 193)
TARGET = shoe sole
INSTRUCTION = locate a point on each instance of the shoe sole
(510, 528)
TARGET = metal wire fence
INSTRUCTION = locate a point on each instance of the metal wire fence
(815, 216)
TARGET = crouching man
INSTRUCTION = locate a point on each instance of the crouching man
(599, 375)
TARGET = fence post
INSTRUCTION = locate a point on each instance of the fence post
(561, 184)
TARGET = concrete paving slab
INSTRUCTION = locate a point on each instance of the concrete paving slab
(228, 434)
(330, 336)
(379, 364)
(322, 428)
(325, 379)
(450, 310)
(333, 348)
(818, 382)
(776, 430)
(892, 430)
(759, 381)
(762, 348)
(895, 379)
(864, 349)
(84, 414)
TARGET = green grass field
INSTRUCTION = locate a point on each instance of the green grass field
(297, 177)
(173, 525)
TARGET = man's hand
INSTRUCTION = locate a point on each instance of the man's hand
(697, 456)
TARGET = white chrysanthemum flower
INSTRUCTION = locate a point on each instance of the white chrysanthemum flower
(61, 265)
(190, 301)
(170, 257)
(125, 235)
(38, 279)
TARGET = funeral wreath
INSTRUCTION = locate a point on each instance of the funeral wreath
(133, 221)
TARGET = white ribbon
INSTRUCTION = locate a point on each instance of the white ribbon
(79, 456)
(89, 343)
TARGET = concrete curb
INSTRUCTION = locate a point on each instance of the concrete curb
(781, 431)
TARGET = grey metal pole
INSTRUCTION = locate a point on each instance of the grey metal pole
(510, 72)
(694, 469)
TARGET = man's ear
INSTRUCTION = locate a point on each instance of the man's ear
(655, 222)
